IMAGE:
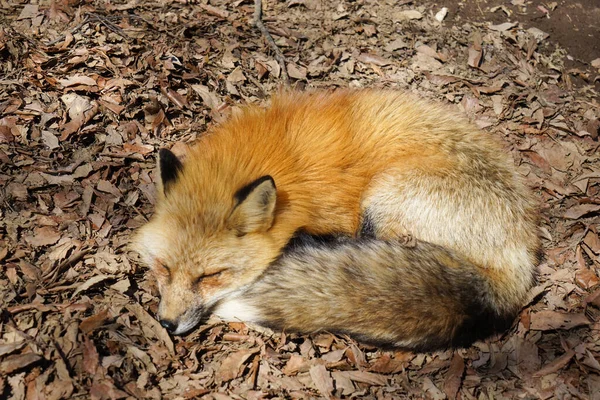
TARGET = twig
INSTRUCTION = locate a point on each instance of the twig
(98, 18)
(62, 37)
(257, 21)
(106, 22)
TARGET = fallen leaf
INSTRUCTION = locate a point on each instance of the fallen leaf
(367, 377)
(454, 377)
(592, 241)
(91, 359)
(50, 140)
(232, 366)
(77, 80)
(7, 348)
(503, 27)
(586, 278)
(581, 210)
(373, 59)
(556, 365)
(15, 362)
(387, 365)
(296, 72)
(145, 318)
(550, 320)
(295, 364)
(237, 76)
(407, 15)
(94, 322)
(322, 379)
(94, 280)
(43, 236)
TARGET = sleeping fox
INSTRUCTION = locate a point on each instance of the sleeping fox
(297, 217)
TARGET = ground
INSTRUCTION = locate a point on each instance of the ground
(90, 90)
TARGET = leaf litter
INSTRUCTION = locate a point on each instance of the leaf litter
(89, 93)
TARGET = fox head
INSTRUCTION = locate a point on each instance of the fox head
(205, 241)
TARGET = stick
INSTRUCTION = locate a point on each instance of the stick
(257, 21)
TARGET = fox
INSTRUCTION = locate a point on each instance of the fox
(372, 213)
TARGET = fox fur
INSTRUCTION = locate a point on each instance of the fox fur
(369, 168)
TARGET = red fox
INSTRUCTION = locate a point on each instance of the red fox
(297, 217)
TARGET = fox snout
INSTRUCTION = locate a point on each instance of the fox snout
(182, 323)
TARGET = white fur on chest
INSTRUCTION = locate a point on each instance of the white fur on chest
(236, 309)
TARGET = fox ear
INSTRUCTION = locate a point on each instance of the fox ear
(169, 167)
(255, 206)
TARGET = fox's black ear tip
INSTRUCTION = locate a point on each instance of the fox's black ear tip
(170, 167)
(165, 153)
(270, 178)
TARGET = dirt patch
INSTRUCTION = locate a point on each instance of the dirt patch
(571, 25)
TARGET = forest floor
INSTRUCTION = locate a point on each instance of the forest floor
(90, 90)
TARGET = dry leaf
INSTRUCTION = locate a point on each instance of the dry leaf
(16, 362)
(43, 236)
(322, 379)
(77, 80)
(89, 283)
(581, 210)
(454, 377)
(407, 15)
(550, 320)
(232, 366)
(373, 59)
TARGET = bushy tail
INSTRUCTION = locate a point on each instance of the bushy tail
(420, 297)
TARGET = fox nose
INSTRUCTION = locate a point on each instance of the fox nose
(169, 325)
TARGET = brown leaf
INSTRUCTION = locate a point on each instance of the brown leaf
(557, 364)
(295, 364)
(322, 379)
(7, 348)
(77, 80)
(176, 98)
(367, 377)
(43, 236)
(503, 27)
(94, 280)
(142, 315)
(592, 241)
(107, 187)
(431, 53)
(549, 320)
(237, 76)
(432, 391)
(586, 278)
(373, 59)
(93, 322)
(232, 366)
(343, 384)
(407, 15)
(388, 365)
(6, 135)
(454, 376)
(91, 359)
(217, 12)
(475, 55)
(13, 363)
(296, 72)
(581, 210)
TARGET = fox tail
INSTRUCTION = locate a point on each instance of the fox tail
(421, 297)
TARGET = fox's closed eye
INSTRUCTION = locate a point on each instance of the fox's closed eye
(206, 276)
(162, 270)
